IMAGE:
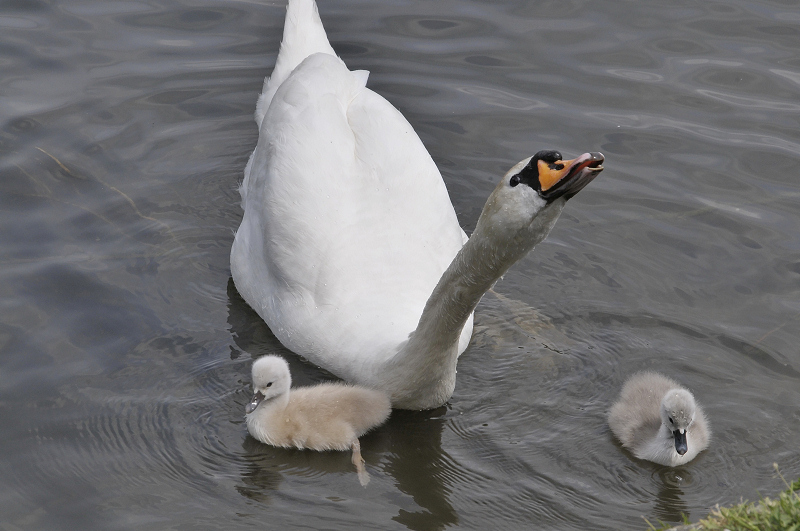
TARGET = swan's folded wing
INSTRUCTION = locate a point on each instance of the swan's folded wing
(355, 226)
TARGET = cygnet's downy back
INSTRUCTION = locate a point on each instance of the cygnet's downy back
(329, 416)
(658, 420)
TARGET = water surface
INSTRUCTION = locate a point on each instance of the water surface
(125, 349)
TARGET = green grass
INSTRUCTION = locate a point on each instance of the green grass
(779, 514)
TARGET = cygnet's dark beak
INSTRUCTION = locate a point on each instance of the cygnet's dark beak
(680, 441)
(256, 400)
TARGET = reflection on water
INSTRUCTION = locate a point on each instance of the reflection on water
(125, 350)
(416, 437)
(260, 480)
(669, 506)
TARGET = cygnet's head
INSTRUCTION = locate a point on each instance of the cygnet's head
(271, 378)
(677, 415)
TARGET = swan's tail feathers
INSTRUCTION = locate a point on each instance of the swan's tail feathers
(361, 77)
(303, 35)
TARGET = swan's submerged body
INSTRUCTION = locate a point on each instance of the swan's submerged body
(658, 420)
(350, 248)
(330, 416)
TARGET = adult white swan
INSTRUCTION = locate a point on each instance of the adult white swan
(350, 249)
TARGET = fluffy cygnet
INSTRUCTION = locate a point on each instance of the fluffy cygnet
(658, 420)
(329, 416)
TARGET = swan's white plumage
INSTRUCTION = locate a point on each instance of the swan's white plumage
(348, 225)
(350, 238)
(348, 229)
(649, 408)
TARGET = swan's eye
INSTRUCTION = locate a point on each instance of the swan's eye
(514, 180)
(670, 420)
(270, 385)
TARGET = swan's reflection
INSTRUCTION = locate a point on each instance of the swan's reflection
(414, 457)
(409, 446)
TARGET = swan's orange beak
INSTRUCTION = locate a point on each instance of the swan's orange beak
(568, 177)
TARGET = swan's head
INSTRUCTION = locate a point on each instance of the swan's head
(552, 177)
(271, 379)
(528, 200)
(677, 415)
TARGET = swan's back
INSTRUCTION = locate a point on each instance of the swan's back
(348, 225)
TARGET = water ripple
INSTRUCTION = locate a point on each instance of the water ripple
(124, 129)
(701, 131)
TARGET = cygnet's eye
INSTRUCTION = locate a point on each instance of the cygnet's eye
(670, 418)
(270, 385)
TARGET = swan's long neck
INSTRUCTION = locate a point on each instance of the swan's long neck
(429, 358)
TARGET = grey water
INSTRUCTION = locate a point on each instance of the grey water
(125, 350)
